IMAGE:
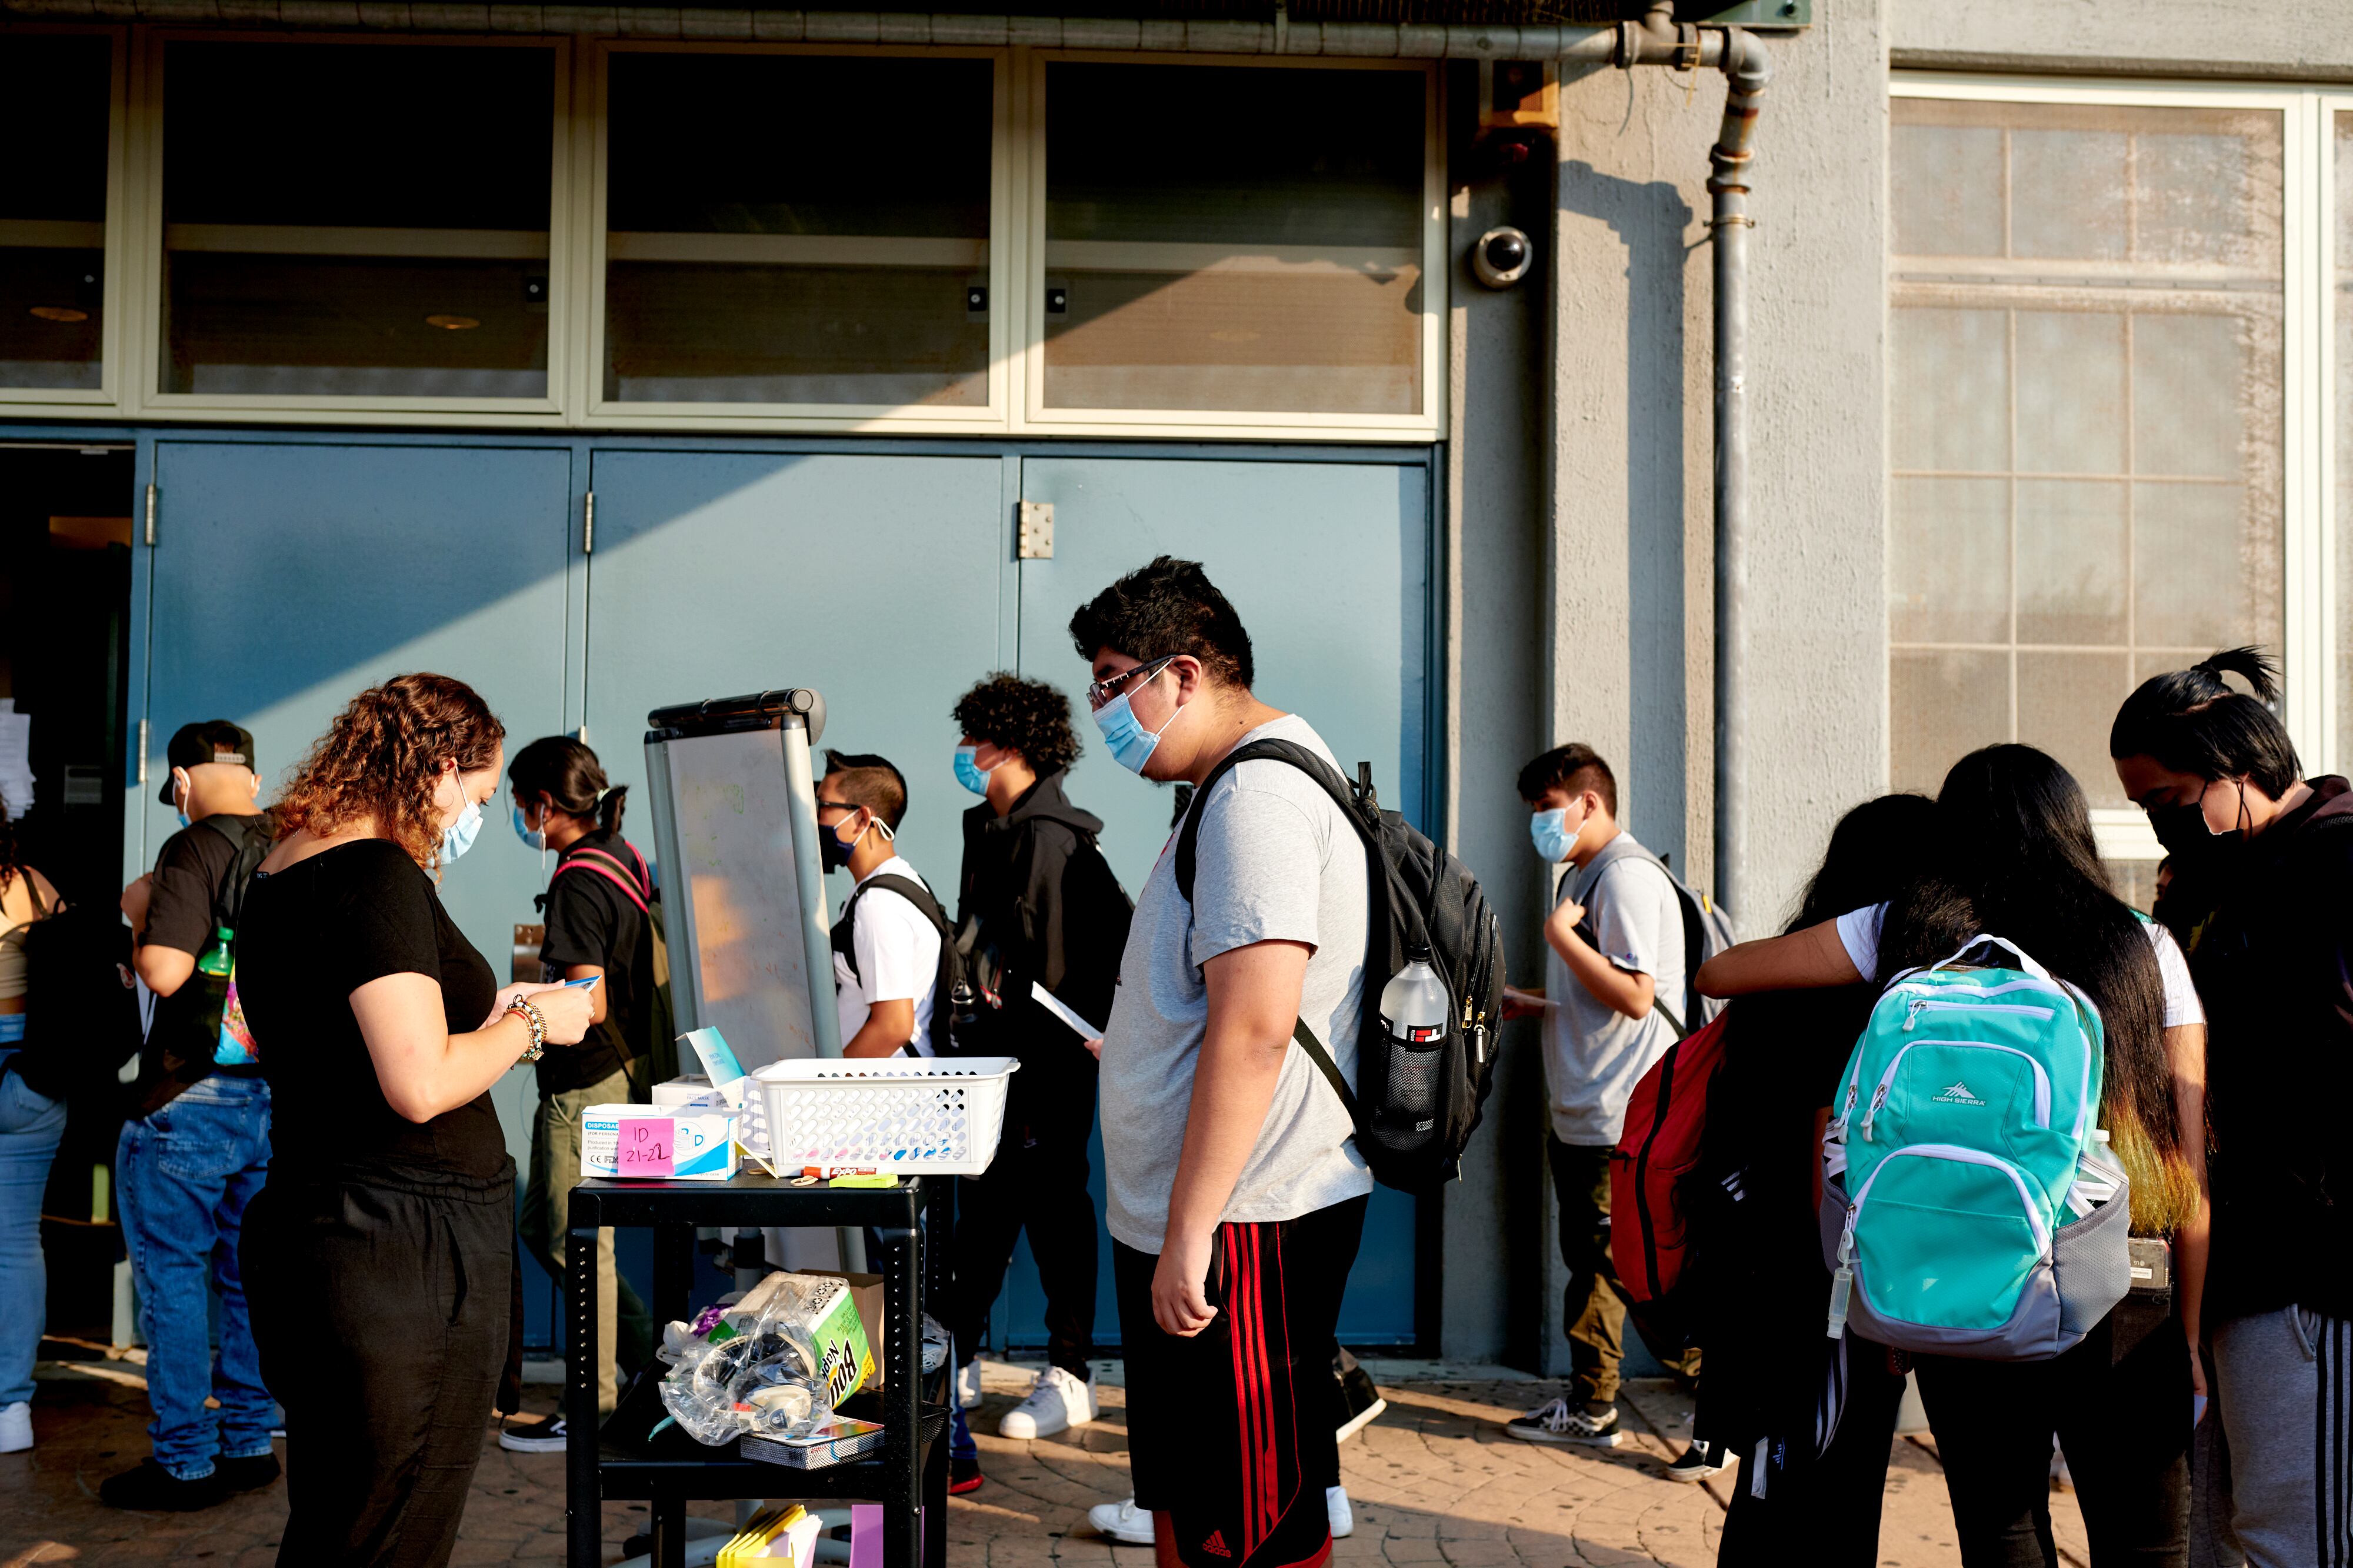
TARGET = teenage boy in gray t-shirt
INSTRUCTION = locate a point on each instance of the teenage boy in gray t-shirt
(1235, 1194)
(1614, 943)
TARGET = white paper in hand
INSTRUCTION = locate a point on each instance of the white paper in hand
(1053, 1004)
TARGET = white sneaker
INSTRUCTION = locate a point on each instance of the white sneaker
(1343, 1517)
(15, 1427)
(968, 1385)
(1057, 1404)
(1123, 1521)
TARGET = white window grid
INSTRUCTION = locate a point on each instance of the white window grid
(577, 245)
(2309, 608)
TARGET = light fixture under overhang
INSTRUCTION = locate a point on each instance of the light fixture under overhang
(454, 323)
(60, 313)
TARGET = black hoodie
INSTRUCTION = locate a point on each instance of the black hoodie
(1049, 904)
(2275, 968)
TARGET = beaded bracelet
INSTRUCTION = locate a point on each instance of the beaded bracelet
(534, 1020)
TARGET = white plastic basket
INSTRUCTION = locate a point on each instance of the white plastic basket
(917, 1115)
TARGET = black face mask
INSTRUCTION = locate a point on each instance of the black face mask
(831, 851)
(2182, 830)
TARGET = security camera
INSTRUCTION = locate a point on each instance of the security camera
(1501, 257)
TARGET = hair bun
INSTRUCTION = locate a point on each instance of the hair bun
(2250, 665)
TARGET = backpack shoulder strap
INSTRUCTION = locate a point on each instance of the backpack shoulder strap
(1291, 752)
(612, 870)
(1624, 847)
(252, 848)
(915, 893)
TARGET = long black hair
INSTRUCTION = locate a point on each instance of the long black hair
(567, 772)
(2189, 721)
(2015, 858)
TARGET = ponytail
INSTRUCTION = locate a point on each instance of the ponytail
(2192, 722)
(568, 773)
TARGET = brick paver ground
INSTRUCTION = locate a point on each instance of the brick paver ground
(1436, 1485)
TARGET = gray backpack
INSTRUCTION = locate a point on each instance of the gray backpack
(1707, 929)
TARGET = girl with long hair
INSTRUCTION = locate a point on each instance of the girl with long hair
(378, 1261)
(32, 1126)
(598, 925)
(2263, 863)
(2014, 856)
(1812, 1429)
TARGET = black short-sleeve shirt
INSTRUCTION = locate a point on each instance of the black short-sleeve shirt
(183, 913)
(314, 933)
(592, 919)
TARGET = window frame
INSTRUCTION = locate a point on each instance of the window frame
(1428, 422)
(599, 412)
(111, 278)
(149, 93)
(2307, 549)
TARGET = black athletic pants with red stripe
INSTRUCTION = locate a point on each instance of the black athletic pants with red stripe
(1231, 1431)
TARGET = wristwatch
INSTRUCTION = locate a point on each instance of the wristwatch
(536, 1021)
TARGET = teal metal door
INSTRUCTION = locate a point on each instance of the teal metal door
(874, 579)
(1327, 563)
(286, 578)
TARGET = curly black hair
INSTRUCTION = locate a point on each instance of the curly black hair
(1167, 606)
(1025, 716)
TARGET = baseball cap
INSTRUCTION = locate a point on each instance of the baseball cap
(213, 741)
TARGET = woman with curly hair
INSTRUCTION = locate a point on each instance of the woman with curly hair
(379, 1260)
(1046, 910)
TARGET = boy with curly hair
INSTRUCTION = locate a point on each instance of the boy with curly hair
(1044, 908)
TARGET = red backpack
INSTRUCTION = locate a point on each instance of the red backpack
(1650, 1232)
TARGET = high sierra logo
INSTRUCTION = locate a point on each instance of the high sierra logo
(1959, 1094)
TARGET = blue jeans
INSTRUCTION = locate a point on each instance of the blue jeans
(31, 1126)
(184, 1176)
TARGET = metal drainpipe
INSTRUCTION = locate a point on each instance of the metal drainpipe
(1748, 69)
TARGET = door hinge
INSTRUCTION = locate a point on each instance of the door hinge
(150, 537)
(142, 723)
(588, 523)
(1037, 535)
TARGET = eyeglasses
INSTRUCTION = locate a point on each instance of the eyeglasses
(1102, 692)
(838, 805)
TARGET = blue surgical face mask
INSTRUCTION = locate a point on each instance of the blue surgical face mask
(182, 816)
(459, 837)
(1130, 743)
(1549, 830)
(533, 837)
(968, 770)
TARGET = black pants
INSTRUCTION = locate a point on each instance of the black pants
(2119, 1404)
(381, 1311)
(1037, 1182)
(1787, 1492)
(1231, 1431)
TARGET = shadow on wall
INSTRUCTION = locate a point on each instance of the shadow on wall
(1652, 222)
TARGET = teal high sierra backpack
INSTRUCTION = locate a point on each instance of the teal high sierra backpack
(1970, 1205)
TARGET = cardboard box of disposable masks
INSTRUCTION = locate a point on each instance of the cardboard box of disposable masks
(654, 1144)
(688, 1091)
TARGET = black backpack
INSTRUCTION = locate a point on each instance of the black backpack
(1421, 897)
(950, 992)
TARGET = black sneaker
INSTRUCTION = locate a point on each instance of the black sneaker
(1360, 1399)
(544, 1436)
(1700, 1461)
(151, 1488)
(1561, 1422)
(248, 1474)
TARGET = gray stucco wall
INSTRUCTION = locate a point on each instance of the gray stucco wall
(2249, 39)
(1628, 529)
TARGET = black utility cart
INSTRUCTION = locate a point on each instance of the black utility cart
(908, 1476)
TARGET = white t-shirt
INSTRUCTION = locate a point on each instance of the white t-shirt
(1858, 933)
(1594, 1054)
(898, 958)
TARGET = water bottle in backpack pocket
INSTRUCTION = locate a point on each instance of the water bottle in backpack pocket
(1968, 1205)
(1417, 1015)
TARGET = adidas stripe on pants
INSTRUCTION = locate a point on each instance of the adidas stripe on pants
(2283, 1386)
(1231, 1431)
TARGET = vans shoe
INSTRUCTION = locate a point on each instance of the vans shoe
(545, 1435)
(1057, 1404)
(1561, 1422)
(1700, 1461)
(1123, 1521)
